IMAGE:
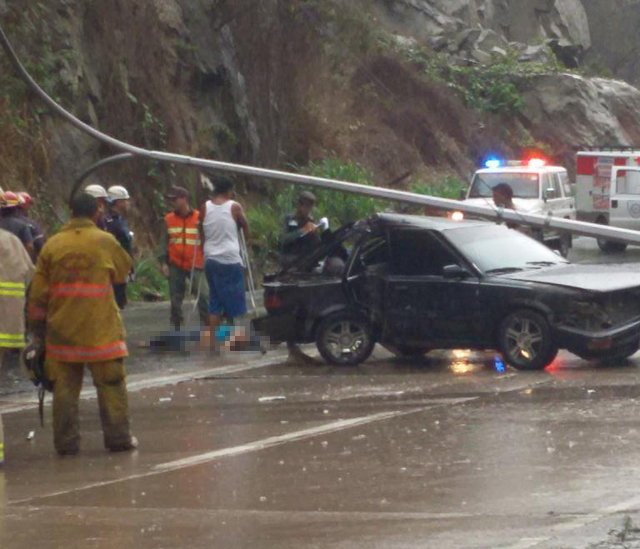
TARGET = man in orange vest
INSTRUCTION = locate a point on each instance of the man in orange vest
(183, 256)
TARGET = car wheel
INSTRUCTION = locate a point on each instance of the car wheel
(525, 340)
(345, 338)
(607, 246)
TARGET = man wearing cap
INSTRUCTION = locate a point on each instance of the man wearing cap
(10, 220)
(182, 256)
(299, 234)
(115, 223)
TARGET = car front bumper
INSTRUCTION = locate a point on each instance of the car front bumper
(598, 344)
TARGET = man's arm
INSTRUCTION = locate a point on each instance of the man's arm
(202, 211)
(241, 219)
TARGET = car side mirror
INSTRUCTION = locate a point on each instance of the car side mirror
(549, 194)
(454, 271)
(463, 194)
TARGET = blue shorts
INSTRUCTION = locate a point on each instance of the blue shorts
(226, 288)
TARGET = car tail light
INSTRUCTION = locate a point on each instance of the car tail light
(272, 301)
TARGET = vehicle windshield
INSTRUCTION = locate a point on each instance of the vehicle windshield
(496, 249)
(524, 185)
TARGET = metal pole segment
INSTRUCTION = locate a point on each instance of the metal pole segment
(576, 227)
(97, 166)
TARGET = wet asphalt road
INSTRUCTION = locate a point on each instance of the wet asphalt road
(442, 452)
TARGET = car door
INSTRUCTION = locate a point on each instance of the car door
(625, 198)
(422, 306)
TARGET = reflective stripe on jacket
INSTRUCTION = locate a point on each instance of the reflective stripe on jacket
(72, 293)
(15, 271)
(183, 240)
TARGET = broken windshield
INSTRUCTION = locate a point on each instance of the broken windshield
(524, 185)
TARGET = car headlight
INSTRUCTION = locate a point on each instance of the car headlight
(586, 315)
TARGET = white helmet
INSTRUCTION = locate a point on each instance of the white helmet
(118, 193)
(97, 191)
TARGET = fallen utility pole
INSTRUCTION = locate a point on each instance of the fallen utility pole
(532, 220)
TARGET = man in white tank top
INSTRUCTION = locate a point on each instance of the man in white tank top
(221, 219)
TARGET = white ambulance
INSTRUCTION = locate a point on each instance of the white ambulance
(608, 190)
(537, 188)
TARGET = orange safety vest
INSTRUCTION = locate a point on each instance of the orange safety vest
(184, 240)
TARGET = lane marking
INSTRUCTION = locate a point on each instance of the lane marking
(295, 436)
(270, 442)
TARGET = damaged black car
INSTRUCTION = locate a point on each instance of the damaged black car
(414, 284)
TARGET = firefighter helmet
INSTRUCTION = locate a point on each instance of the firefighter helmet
(27, 200)
(10, 200)
(97, 191)
(118, 192)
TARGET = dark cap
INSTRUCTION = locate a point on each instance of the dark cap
(177, 192)
(306, 196)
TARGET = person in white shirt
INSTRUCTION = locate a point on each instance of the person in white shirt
(221, 219)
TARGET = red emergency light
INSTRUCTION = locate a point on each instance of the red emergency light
(536, 162)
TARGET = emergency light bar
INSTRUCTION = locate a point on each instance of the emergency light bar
(489, 212)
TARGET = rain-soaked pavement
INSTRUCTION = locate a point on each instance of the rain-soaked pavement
(449, 451)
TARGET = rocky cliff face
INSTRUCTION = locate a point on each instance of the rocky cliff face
(280, 82)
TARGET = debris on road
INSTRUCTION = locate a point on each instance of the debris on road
(271, 398)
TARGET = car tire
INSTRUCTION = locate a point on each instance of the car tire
(607, 246)
(345, 338)
(525, 340)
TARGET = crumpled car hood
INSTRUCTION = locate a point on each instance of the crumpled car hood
(596, 278)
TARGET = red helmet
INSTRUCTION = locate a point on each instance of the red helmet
(10, 200)
(26, 199)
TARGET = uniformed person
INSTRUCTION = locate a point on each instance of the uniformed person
(299, 234)
(115, 222)
(72, 309)
(15, 271)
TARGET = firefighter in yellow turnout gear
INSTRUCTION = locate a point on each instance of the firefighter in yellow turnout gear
(15, 271)
(72, 307)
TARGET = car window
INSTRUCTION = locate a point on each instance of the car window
(496, 247)
(628, 182)
(418, 253)
(564, 181)
(549, 182)
(524, 185)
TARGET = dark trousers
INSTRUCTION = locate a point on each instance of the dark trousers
(178, 284)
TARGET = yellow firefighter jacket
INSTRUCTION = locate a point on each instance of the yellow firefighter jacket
(15, 271)
(72, 294)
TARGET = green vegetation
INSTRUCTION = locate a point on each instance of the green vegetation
(443, 186)
(149, 283)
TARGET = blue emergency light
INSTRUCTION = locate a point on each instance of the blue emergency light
(493, 163)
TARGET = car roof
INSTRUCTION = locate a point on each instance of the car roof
(424, 222)
(523, 169)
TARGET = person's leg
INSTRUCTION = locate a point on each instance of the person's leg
(67, 382)
(215, 304)
(200, 281)
(113, 402)
(231, 289)
(177, 286)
